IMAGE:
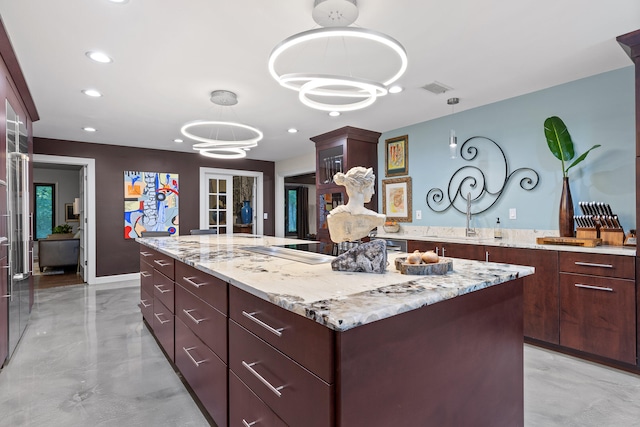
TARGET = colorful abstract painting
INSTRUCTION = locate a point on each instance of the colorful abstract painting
(150, 203)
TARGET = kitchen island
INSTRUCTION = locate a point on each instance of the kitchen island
(297, 344)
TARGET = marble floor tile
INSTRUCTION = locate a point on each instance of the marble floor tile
(87, 360)
(561, 390)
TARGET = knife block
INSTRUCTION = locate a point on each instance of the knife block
(586, 233)
(612, 236)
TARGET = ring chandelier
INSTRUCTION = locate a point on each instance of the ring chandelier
(217, 147)
(323, 85)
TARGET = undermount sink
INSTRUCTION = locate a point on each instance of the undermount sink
(290, 254)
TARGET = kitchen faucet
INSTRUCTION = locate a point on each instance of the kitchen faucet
(469, 231)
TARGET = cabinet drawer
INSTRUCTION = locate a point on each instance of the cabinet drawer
(146, 306)
(146, 255)
(205, 322)
(620, 266)
(245, 408)
(146, 277)
(163, 289)
(597, 315)
(204, 371)
(205, 286)
(302, 339)
(157, 260)
(292, 392)
(163, 323)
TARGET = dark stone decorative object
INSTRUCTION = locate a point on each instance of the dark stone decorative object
(370, 257)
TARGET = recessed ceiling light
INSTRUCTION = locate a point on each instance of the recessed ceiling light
(395, 89)
(92, 92)
(334, 113)
(119, 1)
(99, 56)
(292, 130)
(89, 129)
(178, 140)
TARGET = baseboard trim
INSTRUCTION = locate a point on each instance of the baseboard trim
(116, 278)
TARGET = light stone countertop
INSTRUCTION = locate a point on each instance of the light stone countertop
(511, 239)
(338, 300)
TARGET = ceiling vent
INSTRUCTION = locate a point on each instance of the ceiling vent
(436, 87)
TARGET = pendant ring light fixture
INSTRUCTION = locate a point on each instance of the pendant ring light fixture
(320, 85)
(217, 147)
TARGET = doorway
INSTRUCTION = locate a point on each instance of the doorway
(222, 194)
(300, 206)
(84, 219)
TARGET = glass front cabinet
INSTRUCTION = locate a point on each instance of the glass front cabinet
(339, 151)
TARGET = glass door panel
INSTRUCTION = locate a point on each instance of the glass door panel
(219, 203)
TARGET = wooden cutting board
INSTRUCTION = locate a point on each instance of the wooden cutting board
(571, 241)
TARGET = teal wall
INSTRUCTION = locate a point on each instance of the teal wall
(596, 110)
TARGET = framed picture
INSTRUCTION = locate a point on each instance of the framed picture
(396, 199)
(68, 213)
(396, 157)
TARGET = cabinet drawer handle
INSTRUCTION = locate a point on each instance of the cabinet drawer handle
(246, 424)
(195, 362)
(277, 332)
(592, 264)
(161, 263)
(145, 305)
(597, 288)
(190, 281)
(161, 291)
(145, 254)
(188, 313)
(275, 390)
(145, 274)
(162, 322)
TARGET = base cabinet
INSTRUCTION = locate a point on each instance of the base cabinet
(246, 409)
(597, 305)
(204, 371)
(541, 303)
(451, 250)
(410, 369)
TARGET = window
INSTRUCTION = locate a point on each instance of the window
(45, 206)
(291, 212)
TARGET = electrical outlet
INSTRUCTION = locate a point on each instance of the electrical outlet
(418, 214)
(512, 213)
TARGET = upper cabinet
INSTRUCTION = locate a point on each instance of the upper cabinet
(339, 151)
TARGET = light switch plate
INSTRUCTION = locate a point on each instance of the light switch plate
(418, 214)
(512, 213)
(265, 215)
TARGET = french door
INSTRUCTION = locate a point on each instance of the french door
(218, 211)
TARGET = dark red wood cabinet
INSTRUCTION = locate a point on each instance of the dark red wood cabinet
(157, 296)
(339, 151)
(204, 371)
(597, 305)
(446, 249)
(541, 304)
(4, 313)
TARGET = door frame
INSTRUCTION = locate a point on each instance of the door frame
(258, 196)
(90, 204)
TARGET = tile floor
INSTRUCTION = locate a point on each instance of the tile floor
(87, 360)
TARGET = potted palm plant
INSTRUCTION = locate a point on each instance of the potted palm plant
(561, 146)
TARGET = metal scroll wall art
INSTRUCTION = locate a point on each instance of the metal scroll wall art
(472, 182)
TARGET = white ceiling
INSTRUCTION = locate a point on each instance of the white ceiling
(169, 56)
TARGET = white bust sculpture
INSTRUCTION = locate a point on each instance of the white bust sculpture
(353, 221)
